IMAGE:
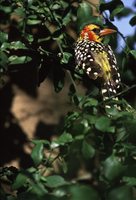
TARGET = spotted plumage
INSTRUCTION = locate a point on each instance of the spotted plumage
(97, 60)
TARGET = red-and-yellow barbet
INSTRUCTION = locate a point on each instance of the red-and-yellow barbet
(97, 59)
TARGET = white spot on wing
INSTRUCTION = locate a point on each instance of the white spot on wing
(114, 91)
(95, 73)
(104, 91)
(89, 69)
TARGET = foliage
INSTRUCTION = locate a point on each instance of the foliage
(100, 143)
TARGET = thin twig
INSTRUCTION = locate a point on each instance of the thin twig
(126, 90)
(122, 92)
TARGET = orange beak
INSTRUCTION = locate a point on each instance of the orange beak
(107, 31)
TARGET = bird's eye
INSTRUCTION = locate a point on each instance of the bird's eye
(96, 30)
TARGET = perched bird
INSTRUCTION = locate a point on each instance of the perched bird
(97, 59)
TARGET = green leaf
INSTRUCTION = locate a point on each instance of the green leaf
(58, 79)
(65, 57)
(59, 85)
(55, 181)
(65, 138)
(76, 99)
(133, 53)
(112, 168)
(13, 45)
(33, 21)
(72, 116)
(19, 59)
(106, 40)
(45, 142)
(3, 60)
(3, 37)
(18, 45)
(37, 153)
(67, 19)
(80, 192)
(103, 124)
(126, 11)
(62, 140)
(112, 111)
(116, 11)
(80, 127)
(115, 7)
(133, 21)
(20, 12)
(64, 166)
(89, 102)
(85, 16)
(38, 190)
(87, 150)
(5, 46)
(121, 193)
(111, 129)
(6, 9)
(131, 181)
(30, 38)
(60, 192)
(32, 16)
(56, 6)
(121, 134)
(20, 181)
(64, 4)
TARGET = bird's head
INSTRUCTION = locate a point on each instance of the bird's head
(93, 32)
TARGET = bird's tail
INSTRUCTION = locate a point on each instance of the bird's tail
(109, 90)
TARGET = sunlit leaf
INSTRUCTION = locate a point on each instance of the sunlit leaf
(131, 181)
(33, 21)
(6, 9)
(65, 57)
(133, 53)
(13, 45)
(19, 59)
(64, 139)
(3, 37)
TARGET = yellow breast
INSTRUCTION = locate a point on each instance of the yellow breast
(102, 59)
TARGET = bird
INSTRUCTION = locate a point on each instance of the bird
(97, 59)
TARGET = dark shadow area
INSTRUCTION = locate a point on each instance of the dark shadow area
(45, 131)
(25, 76)
(12, 138)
